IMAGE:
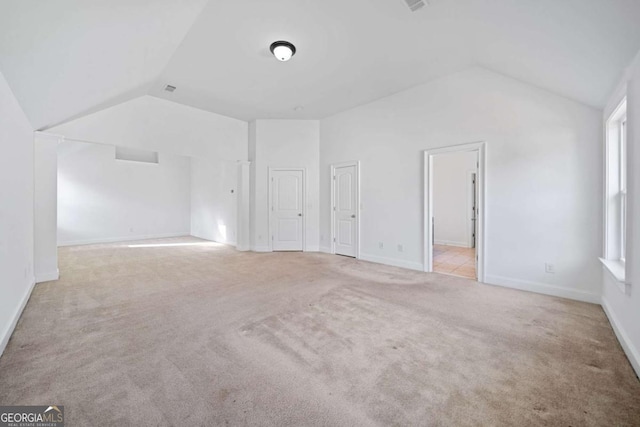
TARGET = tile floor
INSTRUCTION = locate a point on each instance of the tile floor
(454, 260)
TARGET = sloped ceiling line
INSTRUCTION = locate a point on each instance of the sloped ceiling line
(69, 58)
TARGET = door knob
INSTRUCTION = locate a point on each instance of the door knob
(299, 214)
(353, 216)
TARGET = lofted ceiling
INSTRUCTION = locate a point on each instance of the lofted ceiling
(65, 58)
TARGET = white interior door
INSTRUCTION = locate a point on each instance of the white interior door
(345, 210)
(287, 202)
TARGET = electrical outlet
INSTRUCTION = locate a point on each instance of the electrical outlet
(549, 268)
(400, 248)
(380, 245)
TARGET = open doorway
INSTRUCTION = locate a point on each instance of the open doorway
(453, 210)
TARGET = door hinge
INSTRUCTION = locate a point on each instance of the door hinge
(334, 177)
(334, 208)
(334, 239)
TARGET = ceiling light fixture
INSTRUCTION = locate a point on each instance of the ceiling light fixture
(282, 50)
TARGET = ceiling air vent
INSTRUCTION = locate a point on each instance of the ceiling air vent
(415, 5)
(169, 88)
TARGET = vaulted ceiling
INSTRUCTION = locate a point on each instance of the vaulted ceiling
(67, 58)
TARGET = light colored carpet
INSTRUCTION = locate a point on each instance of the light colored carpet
(196, 333)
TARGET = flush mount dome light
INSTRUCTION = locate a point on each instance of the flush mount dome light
(282, 50)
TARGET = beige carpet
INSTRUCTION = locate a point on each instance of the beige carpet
(199, 334)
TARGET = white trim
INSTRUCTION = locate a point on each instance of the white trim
(227, 243)
(325, 249)
(6, 335)
(304, 205)
(123, 239)
(48, 277)
(261, 249)
(452, 243)
(618, 112)
(480, 148)
(616, 269)
(543, 288)
(605, 189)
(470, 192)
(392, 261)
(332, 175)
(630, 350)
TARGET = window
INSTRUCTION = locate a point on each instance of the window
(616, 192)
(622, 161)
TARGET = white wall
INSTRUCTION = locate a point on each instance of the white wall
(45, 201)
(214, 142)
(213, 204)
(102, 199)
(160, 125)
(282, 144)
(451, 197)
(622, 303)
(243, 213)
(16, 212)
(543, 176)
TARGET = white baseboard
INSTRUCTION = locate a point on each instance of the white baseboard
(234, 244)
(6, 334)
(325, 249)
(48, 277)
(452, 243)
(261, 249)
(629, 349)
(211, 239)
(542, 288)
(392, 261)
(123, 239)
(312, 248)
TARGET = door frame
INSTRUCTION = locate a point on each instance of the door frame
(471, 191)
(333, 204)
(480, 148)
(304, 204)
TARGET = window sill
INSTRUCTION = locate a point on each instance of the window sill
(617, 269)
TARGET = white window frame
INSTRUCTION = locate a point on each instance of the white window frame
(615, 194)
(622, 166)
